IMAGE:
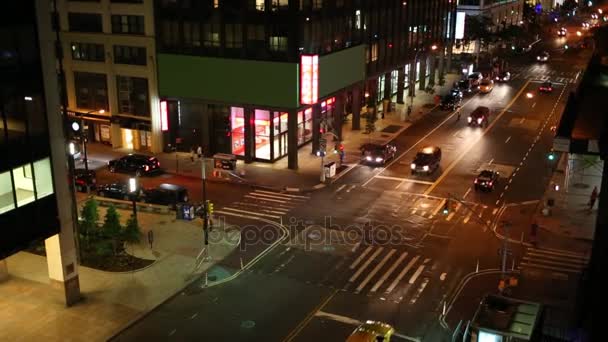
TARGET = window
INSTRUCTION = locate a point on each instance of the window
(192, 34)
(262, 134)
(280, 4)
(237, 130)
(43, 178)
(374, 51)
(234, 36)
(132, 95)
(24, 186)
(170, 33)
(304, 126)
(7, 201)
(212, 35)
(257, 5)
(91, 90)
(129, 55)
(132, 24)
(278, 44)
(216, 3)
(317, 4)
(88, 52)
(85, 22)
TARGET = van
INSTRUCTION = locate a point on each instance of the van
(166, 194)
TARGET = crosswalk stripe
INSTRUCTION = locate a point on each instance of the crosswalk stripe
(247, 212)
(450, 216)
(553, 262)
(364, 266)
(266, 198)
(284, 195)
(403, 272)
(281, 206)
(552, 268)
(557, 252)
(358, 260)
(355, 247)
(375, 270)
(466, 219)
(284, 199)
(561, 258)
(417, 274)
(244, 204)
(389, 272)
(436, 210)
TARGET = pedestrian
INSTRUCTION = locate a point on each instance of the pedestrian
(192, 154)
(458, 113)
(593, 198)
(409, 110)
(199, 152)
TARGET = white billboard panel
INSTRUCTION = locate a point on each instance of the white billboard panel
(460, 18)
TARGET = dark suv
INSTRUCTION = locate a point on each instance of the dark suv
(135, 163)
(427, 160)
(114, 190)
(479, 117)
(165, 194)
(452, 101)
(377, 153)
(84, 180)
(486, 180)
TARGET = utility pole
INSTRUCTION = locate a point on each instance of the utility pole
(505, 252)
(205, 209)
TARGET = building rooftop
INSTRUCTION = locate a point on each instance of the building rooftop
(584, 117)
(507, 316)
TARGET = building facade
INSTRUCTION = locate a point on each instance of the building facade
(109, 58)
(501, 12)
(33, 172)
(261, 78)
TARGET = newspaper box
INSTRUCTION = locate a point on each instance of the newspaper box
(330, 169)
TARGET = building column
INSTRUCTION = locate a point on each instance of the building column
(205, 128)
(441, 63)
(292, 140)
(412, 78)
(249, 134)
(356, 106)
(400, 84)
(316, 127)
(422, 73)
(449, 57)
(339, 114)
(432, 69)
(3, 270)
(387, 86)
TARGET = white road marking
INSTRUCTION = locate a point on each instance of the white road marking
(338, 318)
(548, 267)
(419, 291)
(403, 272)
(490, 162)
(223, 211)
(466, 193)
(358, 260)
(405, 180)
(355, 247)
(494, 211)
(364, 266)
(351, 188)
(265, 199)
(450, 216)
(284, 195)
(340, 188)
(375, 270)
(389, 272)
(417, 274)
(534, 105)
(436, 210)
(466, 219)
(522, 120)
(509, 138)
(558, 252)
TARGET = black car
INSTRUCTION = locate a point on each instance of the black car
(114, 190)
(503, 76)
(377, 153)
(165, 194)
(479, 117)
(465, 86)
(486, 180)
(84, 180)
(475, 78)
(135, 163)
(545, 87)
(452, 101)
(427, 160)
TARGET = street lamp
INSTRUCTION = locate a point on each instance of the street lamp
(83, 136)
(133, 192)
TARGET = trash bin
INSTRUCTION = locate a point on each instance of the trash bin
(330, 169)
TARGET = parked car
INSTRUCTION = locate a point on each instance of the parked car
(138, 164)
(486, 86)
(486, 180)
(543, 56)
(546, 87)
(465, 86)
(427, 160)
(377, 153)
(114, 190)
(165, 194)
(452, 101)
(84, 180)
(503, 76)
(475, 78)
(479, 117)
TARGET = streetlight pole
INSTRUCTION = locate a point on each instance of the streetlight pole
(133, 191)
(83, 137)
(205, 209)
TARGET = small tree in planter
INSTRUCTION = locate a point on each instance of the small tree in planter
(88, 224)
(112, 229)
(131, 233)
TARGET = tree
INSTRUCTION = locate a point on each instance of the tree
(477, 27)
(88, 224)
(131, 233)
(112, 229)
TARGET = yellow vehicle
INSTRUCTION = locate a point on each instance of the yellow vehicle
(372, 331)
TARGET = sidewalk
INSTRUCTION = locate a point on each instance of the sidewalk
(307, 177)
(33, 311)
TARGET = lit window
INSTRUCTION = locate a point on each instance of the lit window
(278, 44)
(317, 4)
(374, 52)
(216, 3)
(24, 184)
(259, 5)
(358, 19)
(6, 193)
(43, 178)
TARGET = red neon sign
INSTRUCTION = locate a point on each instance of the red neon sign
(164, 115)
(309, 79)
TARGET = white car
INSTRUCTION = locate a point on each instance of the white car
(543, 56)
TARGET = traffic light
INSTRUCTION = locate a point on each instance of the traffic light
(551, 156)
(209, 208)
(338, 148)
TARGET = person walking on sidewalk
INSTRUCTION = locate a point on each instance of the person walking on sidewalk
(457, 113)
(192, 154)
(199, 152)
(593, 198)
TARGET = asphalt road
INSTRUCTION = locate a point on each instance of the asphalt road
(375, 244)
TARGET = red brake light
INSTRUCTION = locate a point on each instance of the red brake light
(475, 180)
(146, 168)
(158, 163)
(490, 183)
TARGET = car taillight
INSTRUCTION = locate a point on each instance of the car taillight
(490, 184)
(146, 168)
(158, 163)
(475, 181)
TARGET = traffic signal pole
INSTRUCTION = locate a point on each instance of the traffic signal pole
(205, 209)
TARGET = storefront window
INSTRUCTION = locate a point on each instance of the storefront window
(262, 134)
(304, 126)
(417, 71)
(280, 134)
(237, 118)
(380, 88)
(394, 76)
(407, 76)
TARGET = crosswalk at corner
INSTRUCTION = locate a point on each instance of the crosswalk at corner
(542, 74)
(553, 260)
(264, 204)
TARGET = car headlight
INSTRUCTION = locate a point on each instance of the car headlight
(497, 78)
(368, 158)
(413, 166)
(378, 159)
(538, 58)
(469, 119)
(425, 167)
(479, 120)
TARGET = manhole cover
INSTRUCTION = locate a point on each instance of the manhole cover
(580, 185)
(247, 324)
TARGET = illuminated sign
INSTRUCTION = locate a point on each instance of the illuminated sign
(164, 116)
(460, 19)
(309, 79)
